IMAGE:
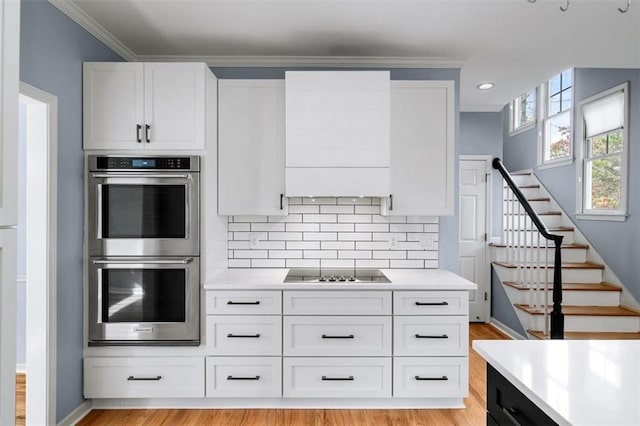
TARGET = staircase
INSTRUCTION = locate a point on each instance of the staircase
(524, 263)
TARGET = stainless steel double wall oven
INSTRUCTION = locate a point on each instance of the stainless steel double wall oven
(144, 250)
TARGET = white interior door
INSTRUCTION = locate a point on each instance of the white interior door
(473, 235)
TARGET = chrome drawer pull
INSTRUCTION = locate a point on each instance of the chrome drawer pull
(243, 378)
(431, 378)
(253, 336)
(231, 302)
(426, 336)
(348, 336)
(432, 303)
(335, 379)
(146, 379)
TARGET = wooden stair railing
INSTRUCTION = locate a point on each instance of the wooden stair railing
(521, 250)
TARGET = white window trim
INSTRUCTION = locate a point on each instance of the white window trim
(528, 126)
(604, 215)
(543, 105)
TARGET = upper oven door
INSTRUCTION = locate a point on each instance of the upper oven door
(144, 214)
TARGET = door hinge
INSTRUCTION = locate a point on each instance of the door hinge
(486, 177)
(486, 296)
(485, 237)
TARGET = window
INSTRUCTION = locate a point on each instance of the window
(555, 136)
(604, 155)
(523, 112)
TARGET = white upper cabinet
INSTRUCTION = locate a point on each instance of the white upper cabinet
(337, 130)
(422, 149)
(251, 147)
(144, 105)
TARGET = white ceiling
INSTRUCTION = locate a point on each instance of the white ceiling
(512, 43)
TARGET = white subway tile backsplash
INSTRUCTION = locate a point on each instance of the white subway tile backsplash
(303, 263)
(332, 232)
(241, 227)
(366, 263)
(303, 227)
(367, 209)
(387, 254)
(354, 236)
(412, 227)
(267, 227)
(354, 254)
(320, 236)
(372, 227)
(337, 245)
(304, 209)
(407, 264)
(285, 254)
(303, 245)
(285, 236)
(336, 263)
(267, 263)
(337, 227)
(320, 254)
(336, 209)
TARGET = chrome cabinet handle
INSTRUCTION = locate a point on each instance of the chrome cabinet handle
(243, 378)
(252, 336)
(145, 379)
(231, 302)
(348, 336)
(432, 303)
(419, 378)
(139, 133)
(184, 261)
(147, 133)
(336, 379)
(116, 175)
(427, 336)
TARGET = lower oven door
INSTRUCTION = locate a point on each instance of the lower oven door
(144, 301)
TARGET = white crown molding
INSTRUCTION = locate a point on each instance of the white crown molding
(85, 21)
(312, 61)
(481, 108)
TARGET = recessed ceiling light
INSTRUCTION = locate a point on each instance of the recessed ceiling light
(485, 86)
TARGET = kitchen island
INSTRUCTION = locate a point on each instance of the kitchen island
(587, 382)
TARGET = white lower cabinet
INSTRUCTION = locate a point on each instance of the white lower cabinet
(244, 335)
(244, 377)
(144, 377)
(430, 377)
(430, 336)
(337, 377)
(337, 336)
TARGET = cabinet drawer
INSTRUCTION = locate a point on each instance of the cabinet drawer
(244, 302)
(244, 335)
(337, 302)
(417, 335)
(144, 377)
(337, 336)
(244, 377)
(438, 377)
(430, 302)
(337, 377)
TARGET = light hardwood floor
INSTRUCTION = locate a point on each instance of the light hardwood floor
(474, 414)
(21, 389)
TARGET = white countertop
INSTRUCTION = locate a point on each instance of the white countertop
(401, 279)
(586, 382)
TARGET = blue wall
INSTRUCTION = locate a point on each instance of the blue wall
(448, 238)
(616, 242)
(53, 48)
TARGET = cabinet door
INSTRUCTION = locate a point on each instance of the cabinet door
(251, 147)
(422, 149)
(113, 105)
(174, 105)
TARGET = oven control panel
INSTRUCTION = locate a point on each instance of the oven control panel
(143, 163)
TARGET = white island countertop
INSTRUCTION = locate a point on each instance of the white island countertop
(585, 382)
(401, 279)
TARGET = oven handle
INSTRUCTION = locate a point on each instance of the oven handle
(140, 175)
(184, 261)
(99, 211)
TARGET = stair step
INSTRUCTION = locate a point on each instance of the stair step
(586, 335)
(547, 213)
(592, 311)
(584, 265)
(563, 246)
(528, 186)
(534, 199)
(603, 286)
